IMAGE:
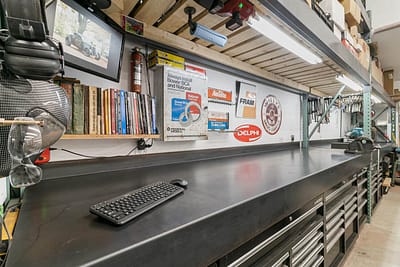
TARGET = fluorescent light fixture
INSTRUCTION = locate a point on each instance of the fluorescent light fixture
(376, 99)
(349, 83)
(277, 35)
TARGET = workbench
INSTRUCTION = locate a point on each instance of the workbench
(229, 201)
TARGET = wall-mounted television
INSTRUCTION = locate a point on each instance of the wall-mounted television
(92, 42)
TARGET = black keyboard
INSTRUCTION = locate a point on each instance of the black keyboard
(124, 208)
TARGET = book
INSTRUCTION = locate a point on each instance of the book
(99, 108)
(78, 110)
(112, 108)
(68, 89)
(123, 115)
(153, 115)
(86, 108)
(92, 110)
(136, 113)
(148, 113)
(106, 109)
(118, 112)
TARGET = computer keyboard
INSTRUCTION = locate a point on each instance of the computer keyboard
(124, 208)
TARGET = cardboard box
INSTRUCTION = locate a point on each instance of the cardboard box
(336, 10)
(347, 36)
(388, 82)
(309, 3)
(352, 12)
(363, 55)
(377, 72)
(168, 56)
(354, 32)
(157, 61)
(337, 32)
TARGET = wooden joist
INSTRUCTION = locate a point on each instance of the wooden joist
(258, 51)
(152, 10)
(262, 60)
(178, 18)
(174, 41)
(244, 47)
(292, 62)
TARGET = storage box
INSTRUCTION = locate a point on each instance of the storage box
(336, 10)
(354, 32)
(364, 55)
(388, 82)
(337, 32)
(157, 61)
(377, 72)
(352, 12)
(168, 56)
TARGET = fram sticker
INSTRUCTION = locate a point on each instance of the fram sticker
(247, 133)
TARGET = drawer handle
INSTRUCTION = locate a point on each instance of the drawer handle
(269, 240)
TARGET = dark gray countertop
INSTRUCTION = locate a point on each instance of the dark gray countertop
(228, 201)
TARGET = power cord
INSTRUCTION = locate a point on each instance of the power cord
(142, 145)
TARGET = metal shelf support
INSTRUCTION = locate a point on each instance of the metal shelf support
(367, 111)
(304, 103)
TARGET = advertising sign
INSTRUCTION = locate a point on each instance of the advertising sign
(219, 96)
(271, 114)
(218, 120)
(185, 104)
(246, 100)
(247, 133)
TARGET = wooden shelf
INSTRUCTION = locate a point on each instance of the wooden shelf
(101, 136)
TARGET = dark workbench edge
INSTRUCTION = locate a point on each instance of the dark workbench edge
(54, 170)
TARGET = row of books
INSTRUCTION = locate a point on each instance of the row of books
(108, 111)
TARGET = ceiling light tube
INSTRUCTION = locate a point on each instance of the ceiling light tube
(376, 99)
(277, 35)
(349, 83)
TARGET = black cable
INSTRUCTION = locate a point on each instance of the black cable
(75, 153)
(133, 149)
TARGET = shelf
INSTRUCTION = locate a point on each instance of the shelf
(306, 23)
(102, 136)
(364, 15)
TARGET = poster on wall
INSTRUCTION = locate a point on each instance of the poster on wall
(271, 114)
(220, 96)
(247, 133)
(185, 104)
(246, 100)
(218, 120)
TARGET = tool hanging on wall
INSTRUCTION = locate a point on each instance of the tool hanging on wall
(136, 70)
(351, 103)
(316, 108)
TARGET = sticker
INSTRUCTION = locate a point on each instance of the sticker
(246, 101)
(247, 133)
(271, 114)
(218, 120)
(218, 95)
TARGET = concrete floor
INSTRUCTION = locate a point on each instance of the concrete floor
(379, 242)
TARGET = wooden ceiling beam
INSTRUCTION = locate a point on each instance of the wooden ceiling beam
(158, 35)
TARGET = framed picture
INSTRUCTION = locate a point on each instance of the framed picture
(91, 41)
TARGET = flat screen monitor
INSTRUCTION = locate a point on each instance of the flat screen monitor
(91, 41)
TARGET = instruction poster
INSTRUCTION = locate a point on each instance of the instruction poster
(185, 115)
(246, 100)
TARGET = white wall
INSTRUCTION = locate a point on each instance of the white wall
(291, 124)
(329, 130)
(384, 12)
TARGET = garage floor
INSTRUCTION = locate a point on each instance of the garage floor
(379, 242)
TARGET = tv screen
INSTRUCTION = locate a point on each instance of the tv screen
(90, 44)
